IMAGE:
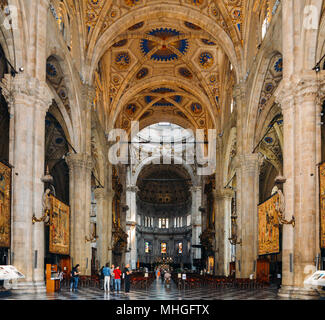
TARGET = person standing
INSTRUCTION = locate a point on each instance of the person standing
(112, 278)
(60, 276)
(117, 277)
(101, 278)
(107, 277)
(74, 278)
(127, 272)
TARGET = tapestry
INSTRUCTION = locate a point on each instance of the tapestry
(268, 227)
(59, 227)
(5, 205)
(322, 203)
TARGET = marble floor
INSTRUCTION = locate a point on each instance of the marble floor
(157, 291)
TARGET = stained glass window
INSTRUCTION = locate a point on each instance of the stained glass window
(163, 247)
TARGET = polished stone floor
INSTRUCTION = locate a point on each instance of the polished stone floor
(157, 291)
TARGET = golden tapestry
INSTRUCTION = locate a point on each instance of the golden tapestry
(268, 227)
(5, 204)
(59, 227)
(322, 203)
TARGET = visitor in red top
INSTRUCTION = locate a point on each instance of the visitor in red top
(117, 274)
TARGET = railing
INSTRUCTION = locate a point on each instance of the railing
(199, 281)
(164, 231)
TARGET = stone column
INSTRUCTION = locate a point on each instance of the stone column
(222, 204)
(247, 202)
(196, 220)
(299, 248)
(110, 196)
(131, 196)
(28, 100)
(80, 166)
(101, 196)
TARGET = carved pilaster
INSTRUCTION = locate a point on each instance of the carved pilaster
(132, 188)
(80, 160)
(223, 194)
(88, 95)
(26, 90)
(249, 162)
(101, 194)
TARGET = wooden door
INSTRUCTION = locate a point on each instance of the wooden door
(232, 269)
(263, 270)
(65, 265)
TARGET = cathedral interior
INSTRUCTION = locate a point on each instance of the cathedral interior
(111, 111)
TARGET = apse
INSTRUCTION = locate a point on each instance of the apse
(164, 232)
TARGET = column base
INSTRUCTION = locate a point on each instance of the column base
(291, 292)
(29, 287)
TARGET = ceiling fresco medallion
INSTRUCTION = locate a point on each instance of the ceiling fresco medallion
(185, 73)
(137, 26)
(191, 26)
(142, 73)
(163, 53)
(131, 109)
(196, 108)
(120, 43)
(122, 60)
(206, 60)
(132, 3)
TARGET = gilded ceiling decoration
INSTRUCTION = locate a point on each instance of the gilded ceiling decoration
(272, 80)
(55, 78)
(55, 144)
(159, 47)
(163, 53)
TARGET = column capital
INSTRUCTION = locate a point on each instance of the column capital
(196, 188)
(79, 160)
(101, 193)
(284, 94)
(307, 88)
(239, 91)
(24, 89)
(132, 188)
(88, 94)
(249, 162)
(221, 194)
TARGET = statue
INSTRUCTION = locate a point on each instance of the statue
(46, 201)
(280, 208)
(46, 208)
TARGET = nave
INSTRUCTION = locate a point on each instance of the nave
(157, 291)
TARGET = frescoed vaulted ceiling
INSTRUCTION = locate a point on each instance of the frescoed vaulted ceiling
(133, 47)
(188, 58)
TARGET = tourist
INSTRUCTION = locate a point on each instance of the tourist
(162, 274)
(112, 278)
(60, 276)
(101, 278)
(107, 277)
(127, 279)
(117, 277)
(74, 278)
(157, 273)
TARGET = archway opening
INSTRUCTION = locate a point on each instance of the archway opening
(56, 178)
(5, 167)
(164, 231)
